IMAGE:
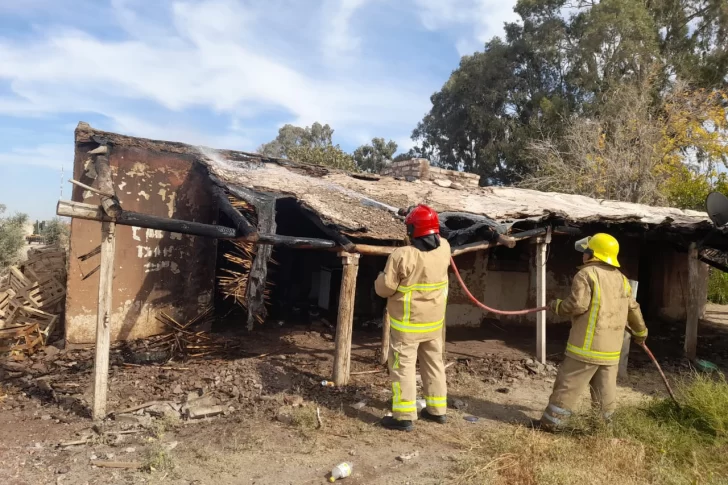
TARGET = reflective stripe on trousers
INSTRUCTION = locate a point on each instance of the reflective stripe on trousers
(399, 406)
(550, 415)
(436, 401)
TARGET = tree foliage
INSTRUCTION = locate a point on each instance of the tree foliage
(329, 156)
(291, 137)
(636, 151)
(12, 237)
(56, 231)
(552, 70)
(312, 144)
(373, 158)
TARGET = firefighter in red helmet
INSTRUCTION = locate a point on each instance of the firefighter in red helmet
(415, 283)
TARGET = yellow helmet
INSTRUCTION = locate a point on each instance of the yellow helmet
(601, 246)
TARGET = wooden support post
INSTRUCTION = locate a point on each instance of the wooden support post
(385, 338)
(697, 284)
(105, 184)
(342, 353)
(624, 355)
(541, 247)
(103, 320)
(255, 298)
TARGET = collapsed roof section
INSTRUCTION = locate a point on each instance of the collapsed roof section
(364, 207)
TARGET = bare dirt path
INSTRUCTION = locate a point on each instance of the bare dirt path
(268, 434)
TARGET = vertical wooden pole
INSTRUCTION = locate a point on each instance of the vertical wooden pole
(541, 247)
(693, 305)
(624, 356)
(385, 338)
(342, 355)
(255, 297)
(103, 321)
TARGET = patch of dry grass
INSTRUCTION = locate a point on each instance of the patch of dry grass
(158, 458)
(653, 444)
(530, 457)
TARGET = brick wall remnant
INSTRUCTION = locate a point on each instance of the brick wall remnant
(420, 169)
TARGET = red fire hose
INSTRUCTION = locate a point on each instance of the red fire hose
(485, 307)
(535, 310)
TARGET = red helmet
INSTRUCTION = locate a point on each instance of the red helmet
(422, 221)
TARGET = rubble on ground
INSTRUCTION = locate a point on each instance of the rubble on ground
(183, 341)
(32, 297)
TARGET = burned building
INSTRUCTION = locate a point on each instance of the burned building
(666, 250)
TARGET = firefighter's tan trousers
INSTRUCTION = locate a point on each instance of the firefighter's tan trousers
(403, 372)
(573, 378)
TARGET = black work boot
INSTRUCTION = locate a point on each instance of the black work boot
(397, 425)
(431, 417)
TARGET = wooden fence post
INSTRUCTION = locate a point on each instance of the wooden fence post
(103, 319)
(541, 248)
(342, 353)
(697, 284)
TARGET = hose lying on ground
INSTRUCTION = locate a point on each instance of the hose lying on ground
(485, 307)
(535, 310)
(659, 369)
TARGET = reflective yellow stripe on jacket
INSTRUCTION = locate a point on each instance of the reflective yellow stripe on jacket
(586, 349)
(405, 325)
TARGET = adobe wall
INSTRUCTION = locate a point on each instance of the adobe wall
(669, 285)
(507, 282)
(154, 271)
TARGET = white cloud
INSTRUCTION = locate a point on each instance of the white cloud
(339, 39)
(476, 21)
(404, 144)
(135, 126)
(47, 155)
(301, 61)
(204, 58)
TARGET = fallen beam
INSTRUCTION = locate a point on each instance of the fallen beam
(242, 226)
(339, 238)
(293, 241)
(92, 212)
(135, 465)
(368, 250)
(89, 188)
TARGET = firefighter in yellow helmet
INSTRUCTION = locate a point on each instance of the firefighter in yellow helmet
(415, 282)
(600, 305)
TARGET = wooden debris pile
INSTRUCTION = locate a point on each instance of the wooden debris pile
(233, 280)
(32, 298)
(184, 341)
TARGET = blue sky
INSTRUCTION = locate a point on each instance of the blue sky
(219, 73)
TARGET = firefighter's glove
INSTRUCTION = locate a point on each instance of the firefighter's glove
(639, 339)
(554, 306)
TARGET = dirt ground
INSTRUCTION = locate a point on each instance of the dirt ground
(269, 432)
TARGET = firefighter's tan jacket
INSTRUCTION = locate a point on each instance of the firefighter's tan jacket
(415, 284)
(600, 305)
